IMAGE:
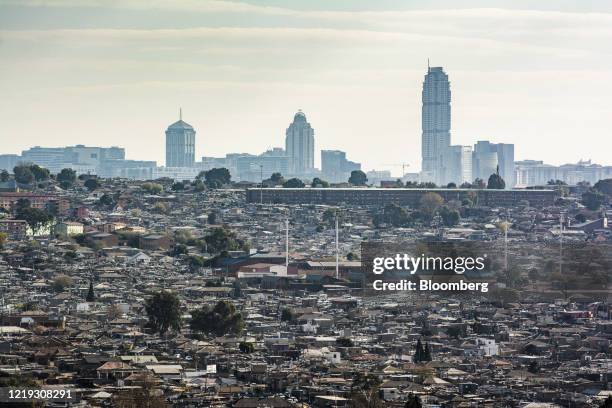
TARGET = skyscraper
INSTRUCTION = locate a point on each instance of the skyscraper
(335, 167)
(436, 122)
(180, 144)
(456, 165)
(299, 145)
(488, 157)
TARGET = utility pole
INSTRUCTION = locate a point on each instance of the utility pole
(287, 245)
(261, 184)
(560, 243)
(506, 246)
(337, 262)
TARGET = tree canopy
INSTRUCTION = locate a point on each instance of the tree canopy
(593, 199)
(163, 311)
(35, 217)
(430, 203)
(152, 188)
(220, 320)
(358, 178)
(66, 177)
(294, 183)
(23, 174)
(223, 239)
(604, 187)
(216, 178)
(496, 182)
(317, 182)
(91, 183)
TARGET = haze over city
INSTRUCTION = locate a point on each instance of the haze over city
(115, 73)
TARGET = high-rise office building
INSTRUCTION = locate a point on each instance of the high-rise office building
(180, 144)
(257, 168)
(103, 161)
(436, 122)
(299, 145)
(488, 157)
(9, 161)
(457, 165)
(51, 158)
(335, 167)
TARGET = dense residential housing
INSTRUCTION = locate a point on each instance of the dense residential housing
(401, 196)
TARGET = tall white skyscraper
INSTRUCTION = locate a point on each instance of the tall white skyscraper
(456, 165)
(436, 123)
(180, 144)
(299, 145)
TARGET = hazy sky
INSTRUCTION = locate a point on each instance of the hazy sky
(115, 72)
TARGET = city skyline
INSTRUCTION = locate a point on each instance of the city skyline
(356, 72)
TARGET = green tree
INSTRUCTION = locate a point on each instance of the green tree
(237, 289)
(216, 178)
(557, 182)
(430, 203)
(163, 311)
(358, 178)
(67, 177)
(246, 348)
(91, 296)
(344, 342)
(287, 315)
(223, 239)
(392, 214)
(178, 186)
(413, 401)
(329, 217)
(196, 262)
(294, 183)
(179, 249)
(496, 182)
(61, 282)
(593, 199)
(365, 391)
(198, 185)
(40, 173)
(107, 200)
(580, 217)
(212, 218)
(152, 188)
(419, 352)
(604, 187)
(161, 207)
(277, 179)
(35, 217)
(451, 185)
(427, 352)
(4, 176)
(22, 204)
(454, 331)
(3, 239)
(317, 182)
(450, 217)
(479, 183)
(218, 321)
(91, 183)
(23, 174)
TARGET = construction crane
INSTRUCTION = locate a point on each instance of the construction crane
(404, 165)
